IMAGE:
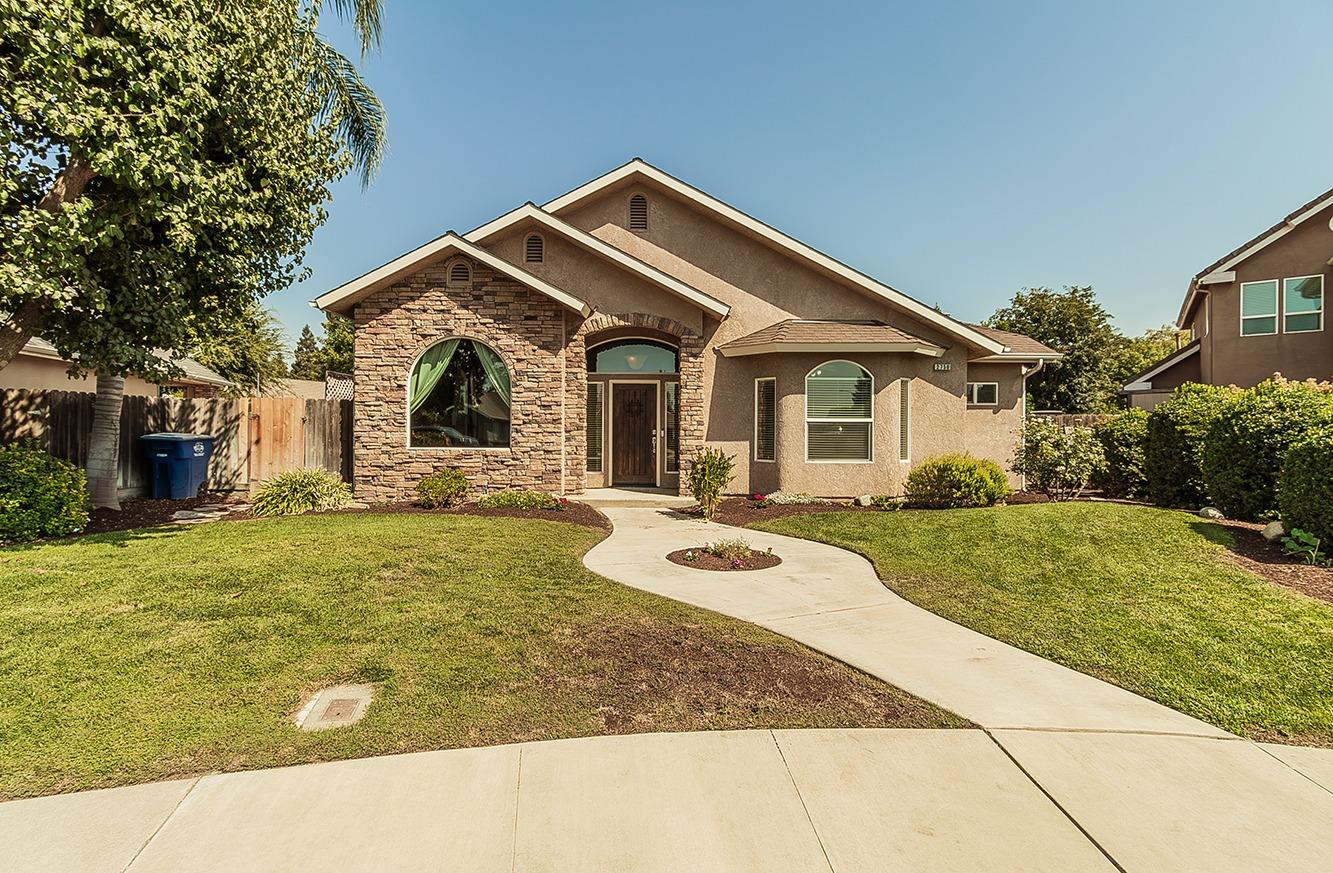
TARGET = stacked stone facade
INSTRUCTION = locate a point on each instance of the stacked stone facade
(527, 329)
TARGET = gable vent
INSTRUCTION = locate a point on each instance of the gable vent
(460, 273)
(534, 249)
(638, 212)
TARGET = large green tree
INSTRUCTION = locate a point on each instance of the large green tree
(166, 164)
(1097, 357)
(316, 357)
(247, 351)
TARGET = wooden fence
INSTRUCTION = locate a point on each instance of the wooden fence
(1073, 419)
(254, 438)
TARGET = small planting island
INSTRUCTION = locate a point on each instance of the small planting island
(703, 560)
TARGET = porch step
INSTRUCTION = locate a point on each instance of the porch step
(630, 497)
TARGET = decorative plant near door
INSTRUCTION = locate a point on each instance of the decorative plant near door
(711, 471)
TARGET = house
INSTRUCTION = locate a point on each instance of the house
(603, 337)
(1255, 311)
(38, 366)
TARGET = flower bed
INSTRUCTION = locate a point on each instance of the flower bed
(727, 555)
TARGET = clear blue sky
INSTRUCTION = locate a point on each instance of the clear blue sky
(957, 151)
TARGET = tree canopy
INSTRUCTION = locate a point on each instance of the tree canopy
(1098, 358)
(315, 357)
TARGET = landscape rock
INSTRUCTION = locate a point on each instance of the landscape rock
(1211, 512)
(864, 500)
(1274, 530)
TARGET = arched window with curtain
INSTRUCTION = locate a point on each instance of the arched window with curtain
(458, 396)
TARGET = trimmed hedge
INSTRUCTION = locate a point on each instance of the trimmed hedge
(953, 481)
(1249, 439)
(40, 495)
(442, 488)
(1123, 440)
(1173, 453)
(520, 498)
(1305, 486)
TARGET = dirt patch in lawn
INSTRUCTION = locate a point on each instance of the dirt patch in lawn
(1251, 551)
(701, 560)
(651, 675)
(147, 512)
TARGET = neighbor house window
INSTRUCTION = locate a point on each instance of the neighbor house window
(1258, 308)
(983, 393)
(839, 417)
(1303, 304)
(458, 396)
(595, 407)
(672, 427)
(765, 419)
(638, 212)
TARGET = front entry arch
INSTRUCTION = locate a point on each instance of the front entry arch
(633, 413)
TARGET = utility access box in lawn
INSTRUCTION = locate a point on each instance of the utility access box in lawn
(177, 463)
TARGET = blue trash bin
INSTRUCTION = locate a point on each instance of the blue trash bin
(177, 463)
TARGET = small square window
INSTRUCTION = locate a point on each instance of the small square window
(1303, 304)
(983, 393)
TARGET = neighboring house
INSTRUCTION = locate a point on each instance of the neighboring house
(602, 338)
(39, 367)
(1255, 311)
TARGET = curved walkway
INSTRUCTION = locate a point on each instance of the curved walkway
(832, 600)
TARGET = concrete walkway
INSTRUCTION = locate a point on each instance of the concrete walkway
(831, 600)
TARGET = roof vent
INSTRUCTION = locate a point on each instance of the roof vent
(534, 249)
(638, 212)
(460, 273)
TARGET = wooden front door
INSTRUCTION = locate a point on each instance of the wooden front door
(633, 423)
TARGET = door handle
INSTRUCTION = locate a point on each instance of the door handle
(654, 444)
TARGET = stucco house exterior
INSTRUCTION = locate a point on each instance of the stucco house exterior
(39, 367)
(601, 338)
(1255, 311)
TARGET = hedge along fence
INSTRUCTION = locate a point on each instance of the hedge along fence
(1124, 438)
(1305, 486)
(1173, 450)
(1248, 442)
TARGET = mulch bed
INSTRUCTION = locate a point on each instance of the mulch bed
(1256, 554)
(742, 512)
(573, 513)
(708, 561)
(147, 512)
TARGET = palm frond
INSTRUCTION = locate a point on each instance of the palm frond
(359, 114)
(364, 16)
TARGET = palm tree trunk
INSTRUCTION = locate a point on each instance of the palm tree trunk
(104, 447)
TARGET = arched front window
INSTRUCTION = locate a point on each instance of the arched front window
(632, 356)
(839, 413)
(458, 395)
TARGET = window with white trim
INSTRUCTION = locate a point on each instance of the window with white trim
(595, 412)
(839, 413)
(671, 435)
(1303, 304)
(983, 393)
(904, 419)
(765, 418)
(1258, 308)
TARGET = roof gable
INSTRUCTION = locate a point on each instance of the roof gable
(344, 297)
(639, 170)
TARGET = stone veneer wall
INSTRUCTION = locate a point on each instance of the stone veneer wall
(691, 389)
(395, 325)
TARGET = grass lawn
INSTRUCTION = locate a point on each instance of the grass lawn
(140, 655)
(1138, 596)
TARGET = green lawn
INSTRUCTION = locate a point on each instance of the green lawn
(142, 655)
(1138, 596)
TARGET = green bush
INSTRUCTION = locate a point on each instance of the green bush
(1058, 461)
(1248, 443)
(1173, 453)
(445, 487)
(40, 496)
(951, 481)
(1123, 440)
(1305, 486)
(709, 475)
(518, 498)
(298, 491)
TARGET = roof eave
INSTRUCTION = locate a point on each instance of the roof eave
(778, 347)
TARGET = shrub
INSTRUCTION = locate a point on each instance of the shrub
(1249, 439)
(950, 481)
(298, 491)
(790, 498)
(445, 487)
(709, 475)
(730, 549)
(1173, 453)
(1058, 461)
(1305, 486)
(40, 496)
(886, 503)
(1123, 440)
(519, 498)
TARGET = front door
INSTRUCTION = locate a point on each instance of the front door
(633, 423)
